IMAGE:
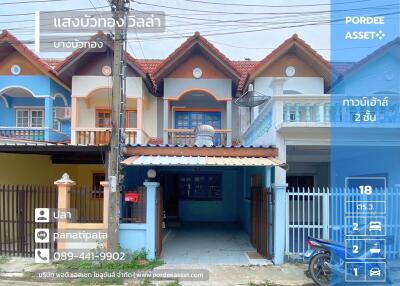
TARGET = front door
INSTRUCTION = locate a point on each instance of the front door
(300, 182)
(171, 197)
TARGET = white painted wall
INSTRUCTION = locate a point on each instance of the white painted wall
(304, 85)
(150, 114)
(82, 86)
(100, 100)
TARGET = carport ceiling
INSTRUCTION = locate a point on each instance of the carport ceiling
(308, 153)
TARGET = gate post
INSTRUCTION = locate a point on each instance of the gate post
(151, 218)
(279, 222)
(325, 214)
(64, 186)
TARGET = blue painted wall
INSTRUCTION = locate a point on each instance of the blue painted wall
(215, 211)
(7, 115)
(41, 87)
(132, 236)
(235, 205)
(37, 84)
(225, 210)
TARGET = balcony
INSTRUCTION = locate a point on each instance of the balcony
(329, 111)
(102, 136)
(186, 137)
(288, 112)
(23, 133)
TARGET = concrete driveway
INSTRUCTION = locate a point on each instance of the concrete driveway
(206, 245)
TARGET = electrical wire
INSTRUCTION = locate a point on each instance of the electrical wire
(33, 13)
(30, 2)
(274, 6)
(264, 13)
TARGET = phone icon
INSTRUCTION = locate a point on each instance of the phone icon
(42, 255)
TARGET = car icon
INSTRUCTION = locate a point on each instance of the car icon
(375, 226)
(375, 272)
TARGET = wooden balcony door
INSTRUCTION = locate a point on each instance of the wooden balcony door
(103, 120)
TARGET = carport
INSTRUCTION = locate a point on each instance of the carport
(214, 205)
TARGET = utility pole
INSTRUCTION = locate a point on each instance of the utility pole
(120, 9)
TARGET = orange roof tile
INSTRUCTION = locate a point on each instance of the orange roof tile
(53, 63)
(186, 45)
(150, 67)
(244, 67)
(286, 44)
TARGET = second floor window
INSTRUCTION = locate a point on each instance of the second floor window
(29, 118)
(191, 119)
(131, 119)
(103, 118)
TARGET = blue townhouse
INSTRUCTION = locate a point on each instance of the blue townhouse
(34, 103)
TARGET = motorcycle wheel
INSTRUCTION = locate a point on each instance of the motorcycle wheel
(320, 270)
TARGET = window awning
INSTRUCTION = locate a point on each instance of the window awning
(148, 160)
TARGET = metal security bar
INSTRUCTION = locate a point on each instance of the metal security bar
(320, 213)
(262, 218)
(88, 204)
(17, 218)
(134, 211)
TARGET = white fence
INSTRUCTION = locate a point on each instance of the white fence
(320, 212)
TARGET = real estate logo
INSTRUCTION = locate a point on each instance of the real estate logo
(365, 28)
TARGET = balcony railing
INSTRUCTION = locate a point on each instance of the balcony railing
(23, 133)
(319, 110)
(327, 112)
(101, 136)
(306, 112)
(186, 137)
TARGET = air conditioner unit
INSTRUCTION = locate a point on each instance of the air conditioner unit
(62, 113)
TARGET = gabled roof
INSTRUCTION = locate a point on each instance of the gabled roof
(34, 59)
(101, 36)
(286, 46)
(53, 63)
(342, 67)
(196, 41)
(149, 66)
(374, 55)
(244, 67)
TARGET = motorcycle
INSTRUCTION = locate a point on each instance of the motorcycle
(326, 261)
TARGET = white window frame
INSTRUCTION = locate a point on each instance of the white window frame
(30, 110)
(16, 116)
(56, 121)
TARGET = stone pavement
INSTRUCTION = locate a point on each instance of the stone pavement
(227, 275)
(17, 271)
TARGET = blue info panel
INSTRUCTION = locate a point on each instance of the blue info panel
(365, 140)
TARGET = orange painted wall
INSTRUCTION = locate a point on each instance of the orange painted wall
(16, 58)
(185, 69)
(277, 69)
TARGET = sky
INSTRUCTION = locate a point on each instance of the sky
(238, 28)
(209, 19)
